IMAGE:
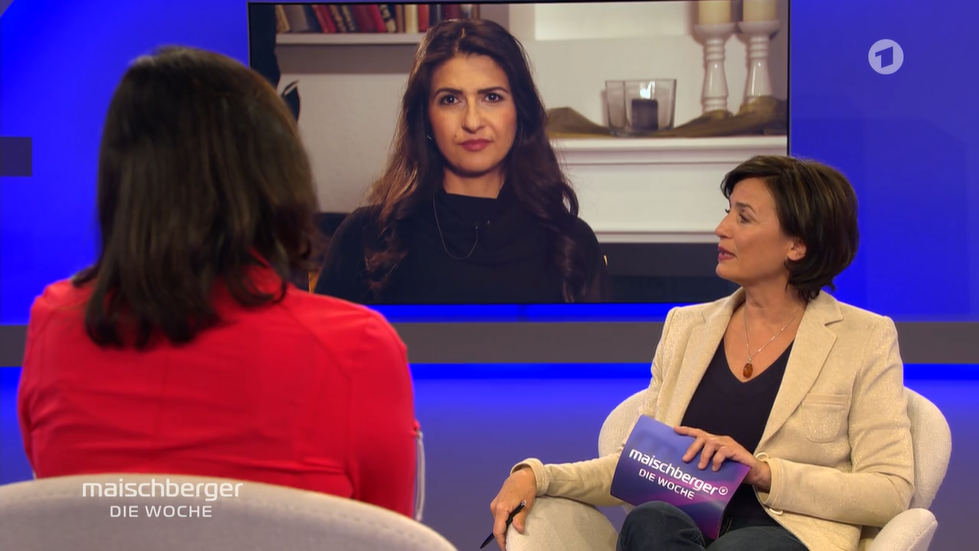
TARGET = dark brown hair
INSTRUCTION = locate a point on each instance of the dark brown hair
(414, 170)
(201, 177)
(814, 203)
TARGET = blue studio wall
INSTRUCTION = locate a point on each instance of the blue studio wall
(61, 62)
(907, 141)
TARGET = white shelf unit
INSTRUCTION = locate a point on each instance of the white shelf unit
(656, 190)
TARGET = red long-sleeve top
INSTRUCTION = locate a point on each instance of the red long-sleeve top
(310, 392)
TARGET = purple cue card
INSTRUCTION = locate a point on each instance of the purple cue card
(651, 468)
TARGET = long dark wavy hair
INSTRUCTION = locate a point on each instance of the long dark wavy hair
(202, 176)
(415, 169)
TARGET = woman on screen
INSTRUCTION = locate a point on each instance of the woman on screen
(472, 206)
(807, 391)
(184, 349)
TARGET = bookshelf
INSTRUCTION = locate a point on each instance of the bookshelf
(363, 23)
(347, 39)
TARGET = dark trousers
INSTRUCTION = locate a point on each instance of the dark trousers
(658, 526)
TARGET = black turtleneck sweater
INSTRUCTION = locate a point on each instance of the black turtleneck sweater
(460, 250)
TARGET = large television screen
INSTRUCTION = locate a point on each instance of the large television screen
(525, 153)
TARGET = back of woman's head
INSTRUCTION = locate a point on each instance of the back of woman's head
(202, 176)
(415, 169)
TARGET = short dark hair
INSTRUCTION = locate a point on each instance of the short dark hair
(202, 176)
(814, 203)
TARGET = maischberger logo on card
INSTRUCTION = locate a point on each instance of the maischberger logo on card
(168, 492)
(674, 478)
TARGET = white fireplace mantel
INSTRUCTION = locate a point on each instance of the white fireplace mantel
(659, 190)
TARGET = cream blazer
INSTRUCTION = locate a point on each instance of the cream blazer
(838, 437)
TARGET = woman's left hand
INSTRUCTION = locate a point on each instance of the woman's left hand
(715, 449)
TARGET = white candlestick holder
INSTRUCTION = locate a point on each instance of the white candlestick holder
(715, 37)
(759, 36)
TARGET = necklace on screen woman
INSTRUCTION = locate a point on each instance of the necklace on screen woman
(749, 368)
(442, 238)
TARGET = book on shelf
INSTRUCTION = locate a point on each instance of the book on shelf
(367, 18)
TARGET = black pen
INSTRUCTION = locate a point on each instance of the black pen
(509, 519)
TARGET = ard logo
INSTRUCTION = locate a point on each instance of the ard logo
(886, 56)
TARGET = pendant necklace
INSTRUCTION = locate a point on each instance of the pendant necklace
(749, 369)
(442, 238)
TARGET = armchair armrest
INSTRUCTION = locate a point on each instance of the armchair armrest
(912, 530)
(558, 524)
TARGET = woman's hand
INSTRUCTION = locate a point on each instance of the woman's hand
(715, 449)
(521, 486)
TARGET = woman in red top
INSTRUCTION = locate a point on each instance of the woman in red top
(184, 349)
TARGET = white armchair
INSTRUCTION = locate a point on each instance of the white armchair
(56, 513)
(557, 524)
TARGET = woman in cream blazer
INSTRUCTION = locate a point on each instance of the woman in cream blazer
(814, 387)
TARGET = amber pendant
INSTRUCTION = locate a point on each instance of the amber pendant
(748, 370)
